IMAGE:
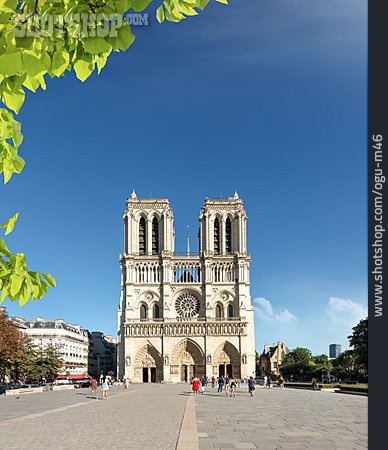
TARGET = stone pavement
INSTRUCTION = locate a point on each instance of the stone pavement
(142, 417)
(282, 419)
(163, 416)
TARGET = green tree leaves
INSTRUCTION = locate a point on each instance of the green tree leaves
(96, 45)
(11, 63)
(12, 96)
(49, 279)
(140, 5)
(83, 68)
(16, 281)
(359, 341)
(10, 140)
(60, 61)
(10, 224)
(160, 14)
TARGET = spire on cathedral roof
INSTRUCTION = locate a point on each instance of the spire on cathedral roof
(235, 196)
(133, 195)
(187, 242)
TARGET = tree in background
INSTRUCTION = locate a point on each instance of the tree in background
(359, 341)
(322, 366)
(344, 364)
(48, 363)
(297, 364)
(11, 343)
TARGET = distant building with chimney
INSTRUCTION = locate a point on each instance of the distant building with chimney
(271, 358)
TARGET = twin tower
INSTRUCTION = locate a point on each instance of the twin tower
(184, 314)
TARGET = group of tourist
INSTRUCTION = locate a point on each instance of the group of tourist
(104, 384)
(268, 381)
(227, 384)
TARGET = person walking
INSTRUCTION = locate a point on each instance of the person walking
(251, 386)
(203, 383)
(213, 382)
(314, 383)
(104, 389)
(93, 387)
(195, 385)
(269, 382)
(281, 381)
(227, 385)
(220, 384)
(265, 381)
(126, 383)
(233, 385)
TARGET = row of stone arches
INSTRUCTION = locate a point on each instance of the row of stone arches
(187, 360)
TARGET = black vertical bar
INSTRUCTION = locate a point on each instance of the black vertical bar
(377, 217)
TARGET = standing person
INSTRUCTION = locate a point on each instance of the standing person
(314, 383)
(213, 382)
(281, 381)
(195, 385)
(227, 385)
(269, 381)
(233, 385)
(126, 383)
(251, 386)
(203, 383)
(93, 387)
(104, 389)
(265, 381)
(220, 384)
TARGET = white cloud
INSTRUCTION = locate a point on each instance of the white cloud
(264, 310)
(346, 311)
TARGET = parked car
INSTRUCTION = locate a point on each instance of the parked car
(63, 381)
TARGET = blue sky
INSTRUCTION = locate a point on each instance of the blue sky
(266, 97)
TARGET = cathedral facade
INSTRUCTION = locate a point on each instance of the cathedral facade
(185, 315)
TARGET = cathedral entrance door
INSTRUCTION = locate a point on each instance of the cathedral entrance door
(221, 370)
(189, 357)
(153, 374)
(229, 370)
(184, 373)
(145, 374)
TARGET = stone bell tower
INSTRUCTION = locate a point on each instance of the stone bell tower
(148, 226)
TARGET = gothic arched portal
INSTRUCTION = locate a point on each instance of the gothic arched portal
(148, 367)
(226, 360)
(187, 361)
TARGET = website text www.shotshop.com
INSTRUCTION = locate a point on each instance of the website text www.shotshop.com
(378, 232)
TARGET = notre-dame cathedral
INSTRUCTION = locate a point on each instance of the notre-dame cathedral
(185, 315)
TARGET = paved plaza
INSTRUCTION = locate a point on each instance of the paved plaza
(169, 417)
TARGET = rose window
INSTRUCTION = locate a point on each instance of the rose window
(187, 305)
